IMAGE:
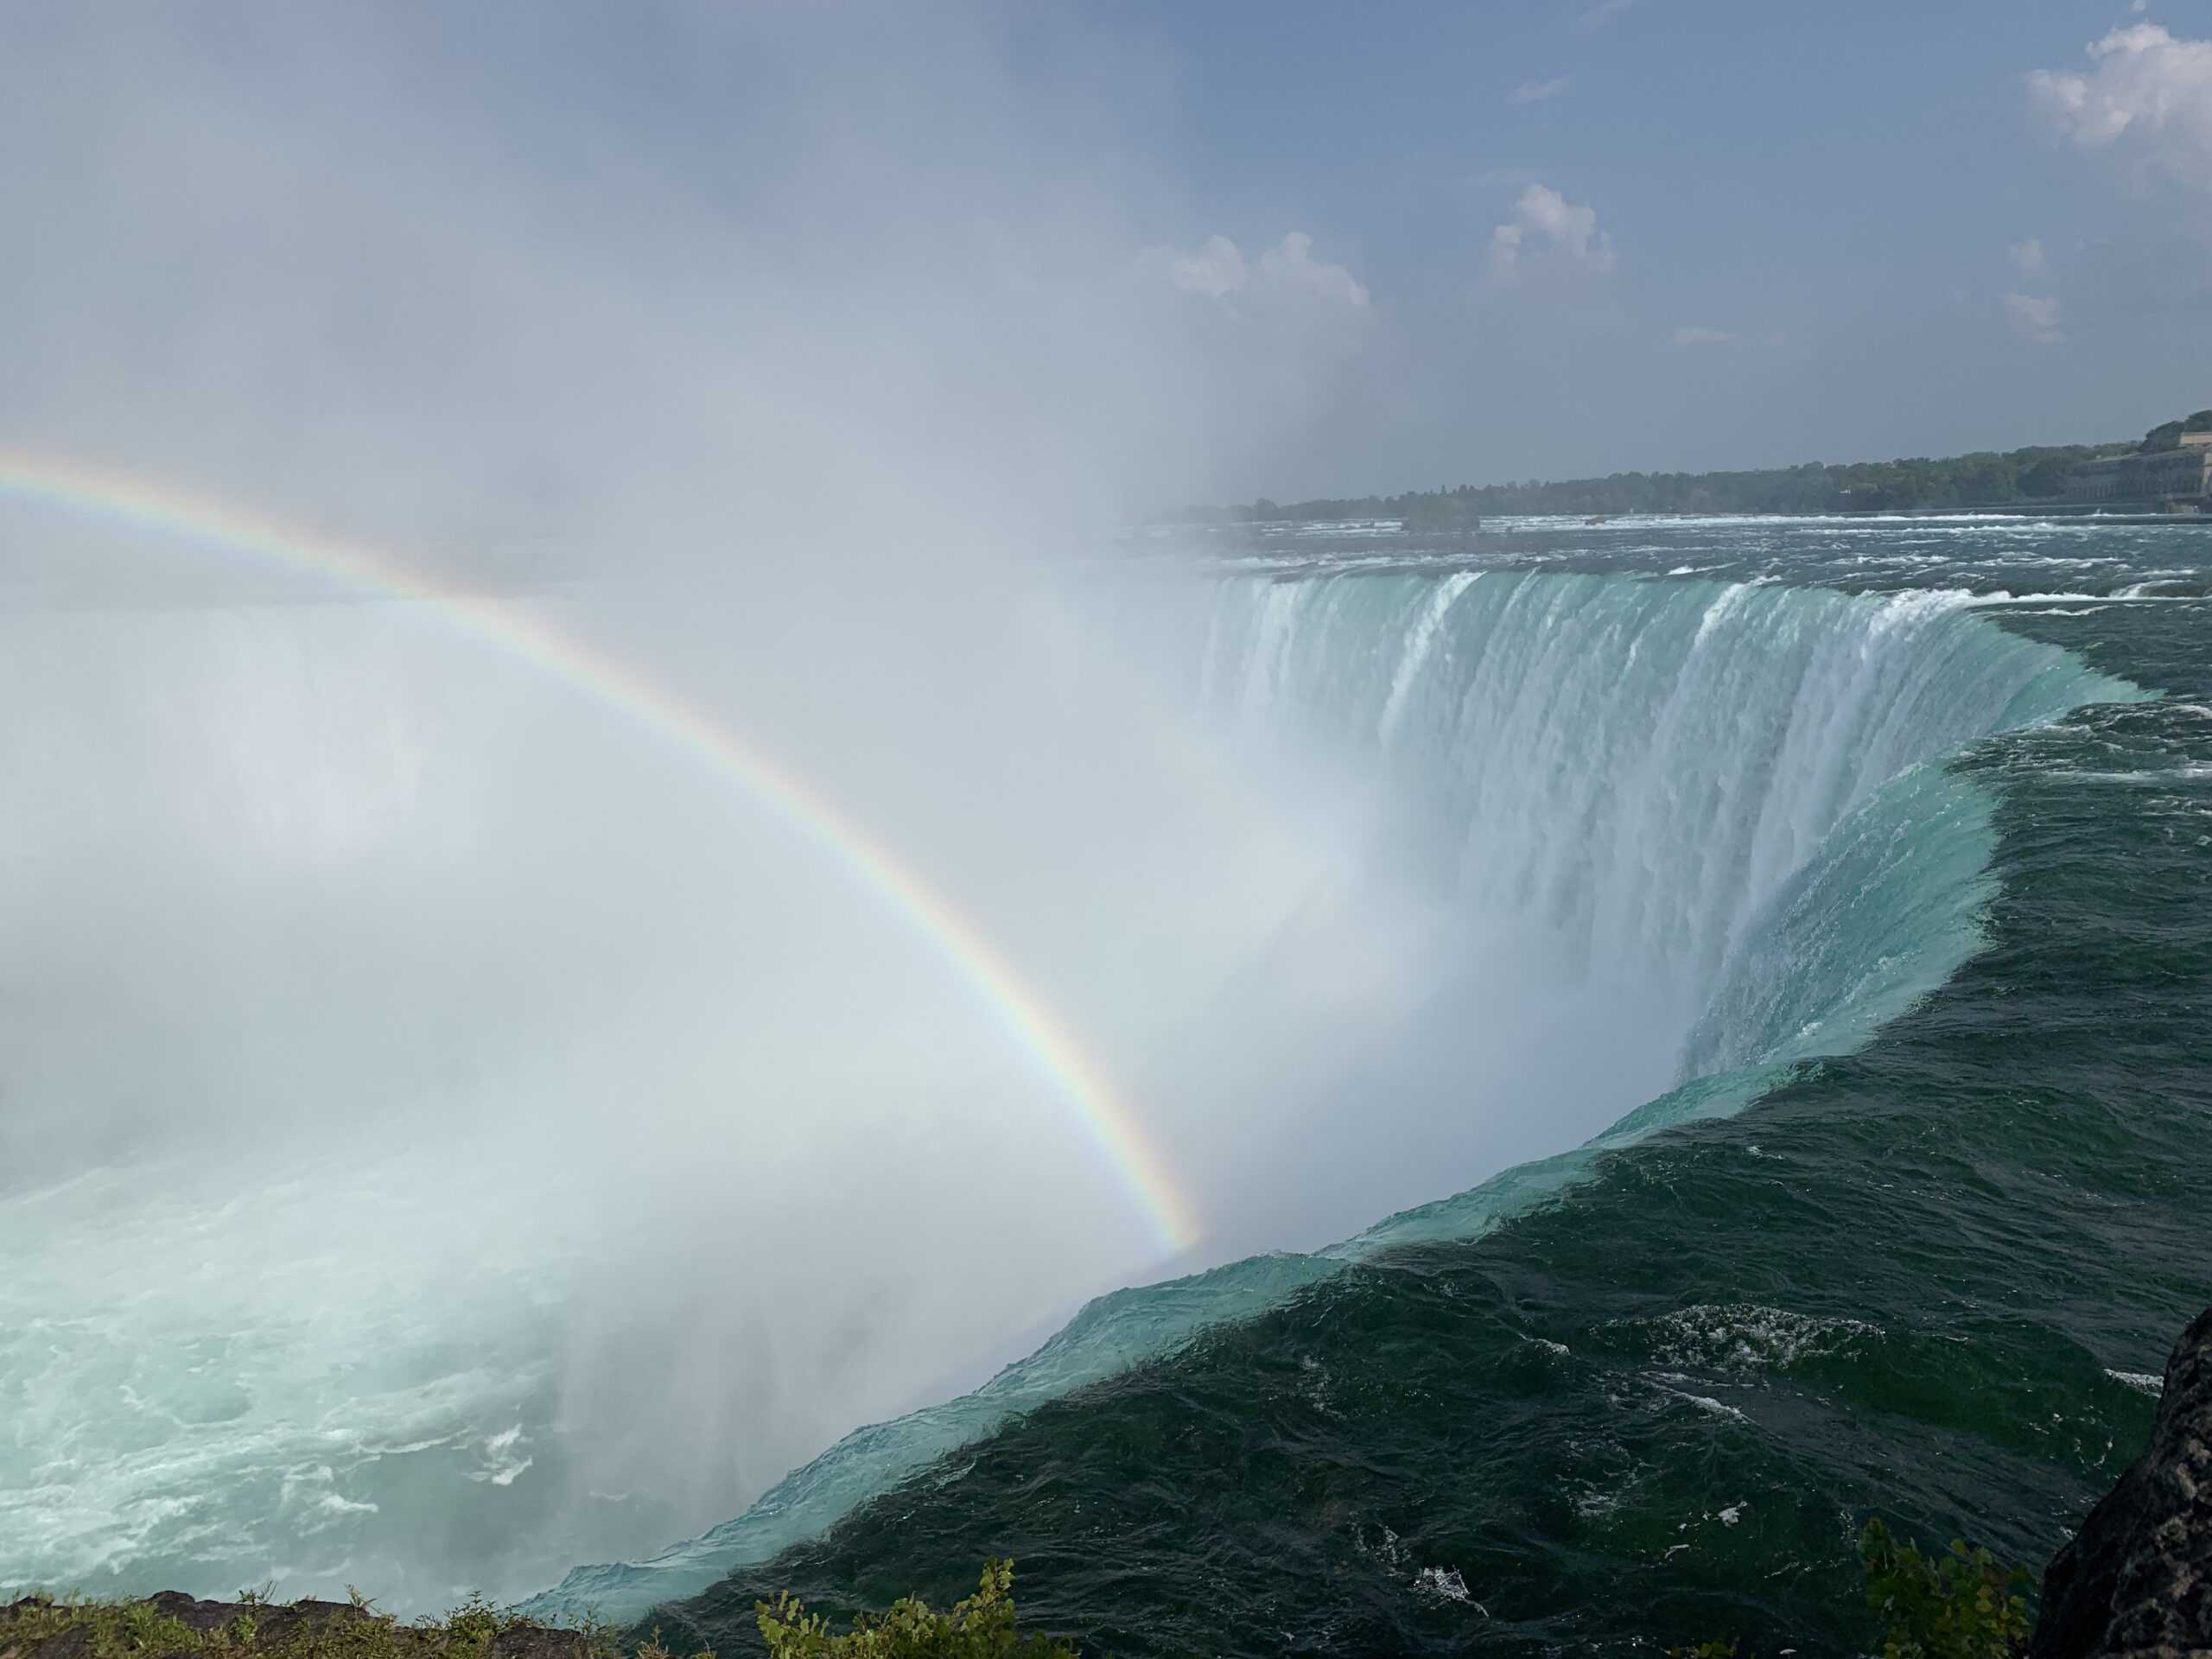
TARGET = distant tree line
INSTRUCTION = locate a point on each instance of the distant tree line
(1987, 478)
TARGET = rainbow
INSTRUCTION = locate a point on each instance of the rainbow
(1108, 1122)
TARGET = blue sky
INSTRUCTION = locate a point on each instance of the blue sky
(559, 270)
(1837, 189)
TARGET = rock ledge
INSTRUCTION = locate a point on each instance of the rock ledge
(2137, 1579)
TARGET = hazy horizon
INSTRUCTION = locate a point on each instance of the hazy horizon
(1472, 247)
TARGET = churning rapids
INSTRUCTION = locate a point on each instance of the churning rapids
(1646, 832)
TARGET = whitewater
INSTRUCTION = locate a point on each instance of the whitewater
(1928, 1194)
(1716, 809)
(1621, 834)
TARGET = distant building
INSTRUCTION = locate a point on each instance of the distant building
(2182, 474)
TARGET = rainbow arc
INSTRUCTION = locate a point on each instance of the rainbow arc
(770, 785)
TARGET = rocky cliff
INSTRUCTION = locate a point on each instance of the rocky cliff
(2137, 1579)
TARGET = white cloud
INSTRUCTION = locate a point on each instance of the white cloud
(1215, 270)
(2027, 257)
(1218, 270)
(2033, 317)
(1601, 13)
(1505, 250)
(2145, 85)
(1689, 334)
(1569, 230)
(1547, 211)
(1291, 264)
(1535, 92)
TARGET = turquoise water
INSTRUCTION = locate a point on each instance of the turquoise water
(1843, 879)
(1905, 867)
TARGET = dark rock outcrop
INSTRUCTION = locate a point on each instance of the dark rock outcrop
(2137, 1579)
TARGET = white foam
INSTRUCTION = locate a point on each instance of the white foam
(1419, 644)
(1707, 1403)
(1446, 1584)
(1746, 1337)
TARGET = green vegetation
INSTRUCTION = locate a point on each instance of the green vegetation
(116, 1632)
(981, 1627)
(1958, 1605)
(1987, 478)
(255, 1627)
(1961, 1605)
(2168, 436)
(259, 1628)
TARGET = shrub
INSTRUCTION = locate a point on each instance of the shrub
(265, 1627)
(1961, 1605)
(981, 1627)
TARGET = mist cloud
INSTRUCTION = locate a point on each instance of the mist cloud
(522, 317)
(782, 355)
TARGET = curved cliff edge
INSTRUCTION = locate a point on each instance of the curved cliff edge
(2135, 1582)
(2137, 1579)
